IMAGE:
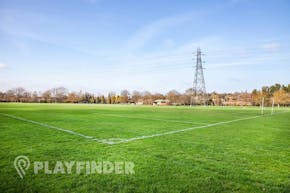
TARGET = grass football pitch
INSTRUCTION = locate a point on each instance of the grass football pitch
(174, 149)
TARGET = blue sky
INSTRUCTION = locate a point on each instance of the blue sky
(106, 45)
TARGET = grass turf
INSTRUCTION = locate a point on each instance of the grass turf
(245, 156)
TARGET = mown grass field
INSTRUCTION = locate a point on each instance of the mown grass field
(250, 155)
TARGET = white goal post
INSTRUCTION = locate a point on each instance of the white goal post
(272, 106)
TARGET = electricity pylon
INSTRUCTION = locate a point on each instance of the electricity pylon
(199, 95)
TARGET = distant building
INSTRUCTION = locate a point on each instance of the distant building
(161, 102)
(140, 102)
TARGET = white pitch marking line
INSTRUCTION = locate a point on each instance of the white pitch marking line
(56, 128)
(188, 129)
(183, 130)
(121, 140)
(154, 119)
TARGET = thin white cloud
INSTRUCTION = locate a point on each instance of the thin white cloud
(179, 57)
(274, 46)
(28, 29)
(148, 32)
(2, 65)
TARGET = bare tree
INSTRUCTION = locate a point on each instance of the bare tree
(46, 96)
(281, 97)
(111, 97)
(136, 96)
(173, 96)
(60, 94)
(73, 97)
(124, 96)
(11, 96)
(19, 92)
(147, 98)
(103, 100)
(215, 99)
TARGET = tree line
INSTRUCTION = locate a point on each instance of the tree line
(277, 92)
